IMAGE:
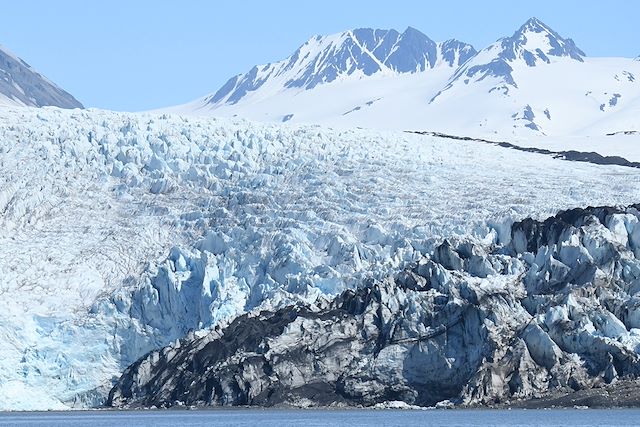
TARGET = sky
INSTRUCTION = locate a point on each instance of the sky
(137, 55)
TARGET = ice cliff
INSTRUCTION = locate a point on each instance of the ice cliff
(123, 232)
(554, 307)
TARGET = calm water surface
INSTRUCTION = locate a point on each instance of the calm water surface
(310, 418)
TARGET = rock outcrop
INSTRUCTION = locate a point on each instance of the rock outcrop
(554, 309)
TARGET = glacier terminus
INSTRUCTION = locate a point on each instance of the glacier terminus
(378, 220)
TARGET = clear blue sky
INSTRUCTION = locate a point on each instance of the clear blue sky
(143, 54)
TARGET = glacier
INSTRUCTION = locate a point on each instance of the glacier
(123, 233)
(550, 311)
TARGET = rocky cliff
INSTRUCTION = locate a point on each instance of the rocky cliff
(553, 308)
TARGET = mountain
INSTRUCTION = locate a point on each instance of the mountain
(539, 81)
(359, 53)
(532, 45)
(530, 84)
(22, 85)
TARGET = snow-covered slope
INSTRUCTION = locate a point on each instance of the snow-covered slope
(539, 81)
(122, 232)
(346, 56)
(532, 83)
(21, 85)
(532, 45)
(341, 61)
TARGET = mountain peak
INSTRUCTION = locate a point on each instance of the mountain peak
(356, 53)
(534, 25)
(533, 44)
(536, 42)
(412, 30)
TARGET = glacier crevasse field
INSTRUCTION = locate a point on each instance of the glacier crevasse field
(123, 232)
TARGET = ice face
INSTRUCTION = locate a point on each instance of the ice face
(123, 232)
(470, 324)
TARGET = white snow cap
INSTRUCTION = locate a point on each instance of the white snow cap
(533, 83)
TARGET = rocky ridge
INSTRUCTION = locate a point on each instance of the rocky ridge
(21, 85)
(553, 308)
(359, 52)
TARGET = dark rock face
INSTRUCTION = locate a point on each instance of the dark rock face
(18, 81)
(554, 310)
(620, 394)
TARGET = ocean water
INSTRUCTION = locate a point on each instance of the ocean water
(310, 418)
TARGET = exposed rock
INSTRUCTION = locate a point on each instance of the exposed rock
(552, 311)
(621, 394)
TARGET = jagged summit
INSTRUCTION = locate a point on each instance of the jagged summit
(535, 25)
(21, 85)
(359, 52)
(533, 44)
(535, 41)
(533, 79)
